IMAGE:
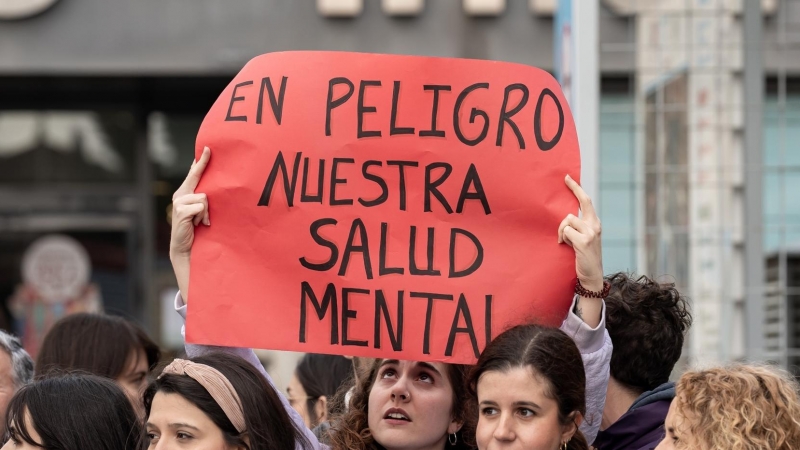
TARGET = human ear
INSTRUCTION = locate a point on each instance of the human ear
(455, 426)
(569, 429)
(321, 409)
(245, 438)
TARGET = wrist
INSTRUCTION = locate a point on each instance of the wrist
(593, 284)
(592, 291)
(178, 256)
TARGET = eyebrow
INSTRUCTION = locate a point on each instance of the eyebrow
(183, 425)
(419, 363)
(528, 404)
(429, 367)
(174, 425)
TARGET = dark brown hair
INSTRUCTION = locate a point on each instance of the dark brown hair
(323, 375)
(267, 424)
(351, 431)
(96, 343)
(74, 411)
(646, 321)
(551, 355)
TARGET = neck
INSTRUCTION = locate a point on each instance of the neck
(618, 401)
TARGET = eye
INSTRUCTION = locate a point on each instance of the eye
(525, 412)
(426, 377)
(489, 411)
(152, 438)
(388, 373)
(183, 436)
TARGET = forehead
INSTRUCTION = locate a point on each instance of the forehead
(5, 361)
(409, 365)
(512, 383)
(672, 414)
(171, 408)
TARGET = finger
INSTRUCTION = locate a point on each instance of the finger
(188, 199)
(185, 213)
(574, 222)
(587, 208)
(195, 174)
(571, 236)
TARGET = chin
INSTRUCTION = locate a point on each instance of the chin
(402, 439)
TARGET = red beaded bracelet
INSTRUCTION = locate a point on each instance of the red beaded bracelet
(583, 292)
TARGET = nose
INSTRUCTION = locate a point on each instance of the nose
(400, 390)
(504, 431)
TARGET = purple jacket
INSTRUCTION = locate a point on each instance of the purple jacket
(642, 427)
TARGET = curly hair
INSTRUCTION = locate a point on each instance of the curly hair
(646, 321)
(350, 431)
(741, 407)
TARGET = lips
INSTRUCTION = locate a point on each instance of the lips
(396, 414)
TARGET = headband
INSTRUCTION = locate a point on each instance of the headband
(220, 389)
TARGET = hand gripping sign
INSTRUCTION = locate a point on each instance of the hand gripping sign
(383, 206)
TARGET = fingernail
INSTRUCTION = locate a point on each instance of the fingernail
(569, 177)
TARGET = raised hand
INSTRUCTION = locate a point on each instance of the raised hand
(583, 235)
(189, 209)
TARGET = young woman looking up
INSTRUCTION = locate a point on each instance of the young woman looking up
(420, 405)
(216, 402)
(72, 411)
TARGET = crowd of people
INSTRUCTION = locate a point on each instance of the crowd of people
(601, 380)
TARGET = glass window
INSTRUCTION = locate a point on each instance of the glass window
(617, 198)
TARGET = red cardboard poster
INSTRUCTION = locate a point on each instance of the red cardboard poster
(383, 206)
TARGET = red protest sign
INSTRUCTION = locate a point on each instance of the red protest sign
(382, 206)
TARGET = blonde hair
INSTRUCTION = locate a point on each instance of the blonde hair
(741, 407)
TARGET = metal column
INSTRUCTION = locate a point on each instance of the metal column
(753, 139)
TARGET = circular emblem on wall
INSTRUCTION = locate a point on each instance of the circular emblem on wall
(22, 9)
(57, 266)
